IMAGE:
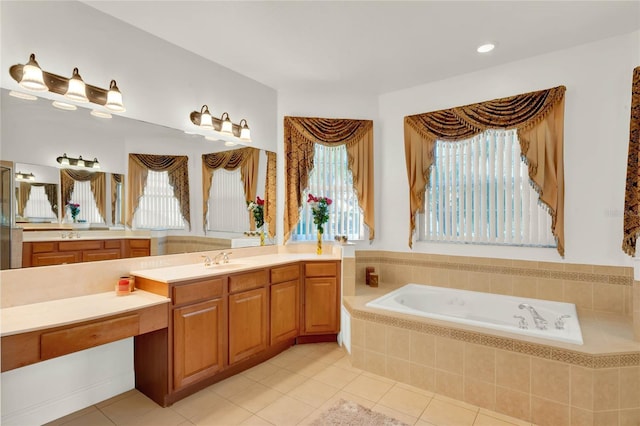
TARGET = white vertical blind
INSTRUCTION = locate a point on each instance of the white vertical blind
(331, 178)
(158, 207)
(83, 195)
(480, 193)
(38, 204)
(227, 202)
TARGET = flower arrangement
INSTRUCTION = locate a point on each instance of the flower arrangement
(257, 208)
(320, 210)
(74, 208)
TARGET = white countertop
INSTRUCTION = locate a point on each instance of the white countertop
(55, 313)
(84, 234)
(198, 270)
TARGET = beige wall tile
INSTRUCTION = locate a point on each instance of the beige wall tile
(358, 332)
(398, 370)
(449, 355)
(479, 281)
(423, 349)
(630, 417)
(577, 267)
(525, 286)
(440, 277)
(357, 356)
(608, 297)
(526, 264)
(606, 388)
(545, 412)
(513, 403)
(605, 417)
(375, 337)
(449, 384)
(480, 393)
(480, 362)
(582, 387)
(513, 370)
(399, 343)
(549, 289)
(422, 377)
(458, 279)
(610, 270)
(550, 266)
(580, 417)
(550, 380)
(630, 387)
(502, 284)
(375, 362)
(421, 275)
(579, 292)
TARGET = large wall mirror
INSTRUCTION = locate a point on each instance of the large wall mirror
(34, 134)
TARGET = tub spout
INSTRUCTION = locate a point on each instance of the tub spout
(541, 323)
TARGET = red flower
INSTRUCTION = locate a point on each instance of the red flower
(329, 201)
(259, 201)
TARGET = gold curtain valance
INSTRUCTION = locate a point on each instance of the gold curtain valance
(24, 191)
(631, 222)
(177, 167)
(300, 135)
(246, 158)
(539, 119)
(98, 183)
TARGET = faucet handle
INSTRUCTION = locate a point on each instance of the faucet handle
(523, 322)
(225, 256)
(207, 260)
(560, 322)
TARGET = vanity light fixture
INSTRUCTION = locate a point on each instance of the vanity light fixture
(22, 95)
(25, 176)
(229, 131)
(32, 77)
(78, 162)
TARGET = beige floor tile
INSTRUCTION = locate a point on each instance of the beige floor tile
(395, 414)
(456, 402)
(224, 413)
(284, 380)
(256, 421)
(128, 409)
(260, 371)
(255, 397)
(504, 417)
(91, 417)
(286, 411)
(485, 420)
(285, 358)
(379, 377)
(405, 401)
(231, 386)
(345, 364)
(313, 392)
(306, 366)
(196, 405)
(421, 422)
(335, 376)
(116, 398)
(186, 423)
(69, 417)
(415, 389)
(331, 356)
(368, 387)
(156, 417)
(444, 414)
(367, 403)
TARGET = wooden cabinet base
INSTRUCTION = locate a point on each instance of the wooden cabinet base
(319, 338)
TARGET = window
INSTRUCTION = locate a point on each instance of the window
(331, 178)
(38, 205)
(479, 193)
(227, 202)
(83, 195)
(158, 207)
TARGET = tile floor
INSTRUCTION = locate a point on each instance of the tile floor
(293, 388)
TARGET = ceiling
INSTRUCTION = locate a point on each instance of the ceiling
(371, 47)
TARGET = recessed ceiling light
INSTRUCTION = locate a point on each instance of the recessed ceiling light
(22, 95)
(486, 48)
(64, 105)
(100, 114)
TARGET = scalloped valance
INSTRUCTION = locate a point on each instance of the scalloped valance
(300, 136)
(97, 181)
(631, 223)
(539, 119)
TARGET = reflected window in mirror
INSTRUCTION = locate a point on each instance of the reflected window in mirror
(158, 207)
(83, 195)
(117, 199)
(37, 201)
(227, 202)
(87, 188)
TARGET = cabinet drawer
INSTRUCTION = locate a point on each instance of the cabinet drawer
(79, 245)
(248, 280)
(42, 247)
(284, 273)
(139, 243)
(93, 255)
(201, 290)
(112, 244)
(55, 258)
(320, 269)
(62, 342)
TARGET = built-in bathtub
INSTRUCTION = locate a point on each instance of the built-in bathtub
(531, 317)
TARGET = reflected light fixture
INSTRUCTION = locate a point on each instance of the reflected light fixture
(486, 48)
(100, 114)
(206, 121)
(227, 126)
(25, 176)
(245, 132)
(78, 162)
(22, 95)
(234, 133)
(64, 105)
(32, 77)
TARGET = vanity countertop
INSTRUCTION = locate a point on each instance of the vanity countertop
(173, 274)
(55, 313)
(80, 235)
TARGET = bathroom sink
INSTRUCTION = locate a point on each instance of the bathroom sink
(227, 266)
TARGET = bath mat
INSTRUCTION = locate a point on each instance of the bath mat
(352, 414)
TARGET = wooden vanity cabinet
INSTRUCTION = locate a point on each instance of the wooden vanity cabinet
(248, 317)
(285, 303)
(321, 313)
(45, 253)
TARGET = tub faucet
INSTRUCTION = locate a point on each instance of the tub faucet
(224, 255)
(541, 323)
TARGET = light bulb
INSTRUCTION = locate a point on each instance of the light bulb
(77, 90)
(227, 125)
(80, 162)
(32, 76)
(245, 132)
(114, 98)
(205, 118)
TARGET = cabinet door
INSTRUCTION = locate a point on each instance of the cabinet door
(285, 311)
(320, 305)
(104, 254)
(197, 341)
(56, 258)
(247, 324)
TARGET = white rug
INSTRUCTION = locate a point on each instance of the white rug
(350, 413)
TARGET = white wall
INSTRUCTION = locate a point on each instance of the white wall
(597, 110)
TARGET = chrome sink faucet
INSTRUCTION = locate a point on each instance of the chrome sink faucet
(224, 255)
(207, 260)
(541, 323)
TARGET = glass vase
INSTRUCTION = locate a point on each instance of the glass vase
(319, 247)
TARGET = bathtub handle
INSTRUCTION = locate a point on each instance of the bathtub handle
(523, 322)
(560, 322)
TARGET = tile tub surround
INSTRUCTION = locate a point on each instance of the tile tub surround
(598, 288)
(533, 380)
(636, 309)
